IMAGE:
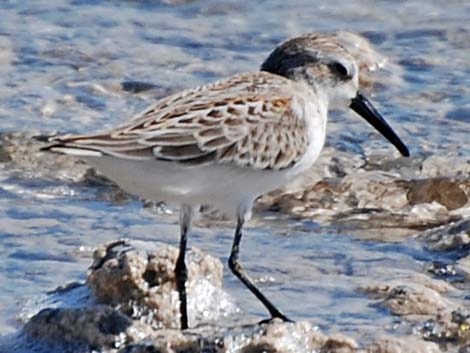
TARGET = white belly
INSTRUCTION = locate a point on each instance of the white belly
(223, 186)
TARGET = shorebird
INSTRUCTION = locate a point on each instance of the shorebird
(228, 142)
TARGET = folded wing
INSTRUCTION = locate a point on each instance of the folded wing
(246, 120)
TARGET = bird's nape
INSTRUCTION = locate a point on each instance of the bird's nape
(362, 106)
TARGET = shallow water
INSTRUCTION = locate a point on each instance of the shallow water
(312, 274)
(76, 66)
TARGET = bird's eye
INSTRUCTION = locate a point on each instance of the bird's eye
(340, 70)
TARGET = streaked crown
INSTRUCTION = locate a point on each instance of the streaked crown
(321, 62)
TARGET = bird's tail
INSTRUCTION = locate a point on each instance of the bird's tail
(99, 145)
(69, 144)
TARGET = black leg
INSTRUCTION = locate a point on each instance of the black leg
(237, 270)
(181, 272)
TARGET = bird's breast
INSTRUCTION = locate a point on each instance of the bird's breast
(313, 109)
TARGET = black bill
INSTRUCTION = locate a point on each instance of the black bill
(362, 106)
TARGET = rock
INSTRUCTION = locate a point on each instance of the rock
(407, 344)
(375, 189)
(448, 328)
(452, 236)
(465, 186)
(276, 337)
(463, 265)
(297, 337)
(133, 297)
(421, 303)
(385, 194)
(140, 281)
(407, 168)
(95, 327)
(445, 166)
(410, 299)
(464, 349)
(427, 215)
(168, 341)
(446, 271)
(339, 344)
(442, 190)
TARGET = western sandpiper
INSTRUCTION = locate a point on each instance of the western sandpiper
(226, 143)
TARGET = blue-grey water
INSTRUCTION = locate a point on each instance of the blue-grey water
(63, 67)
